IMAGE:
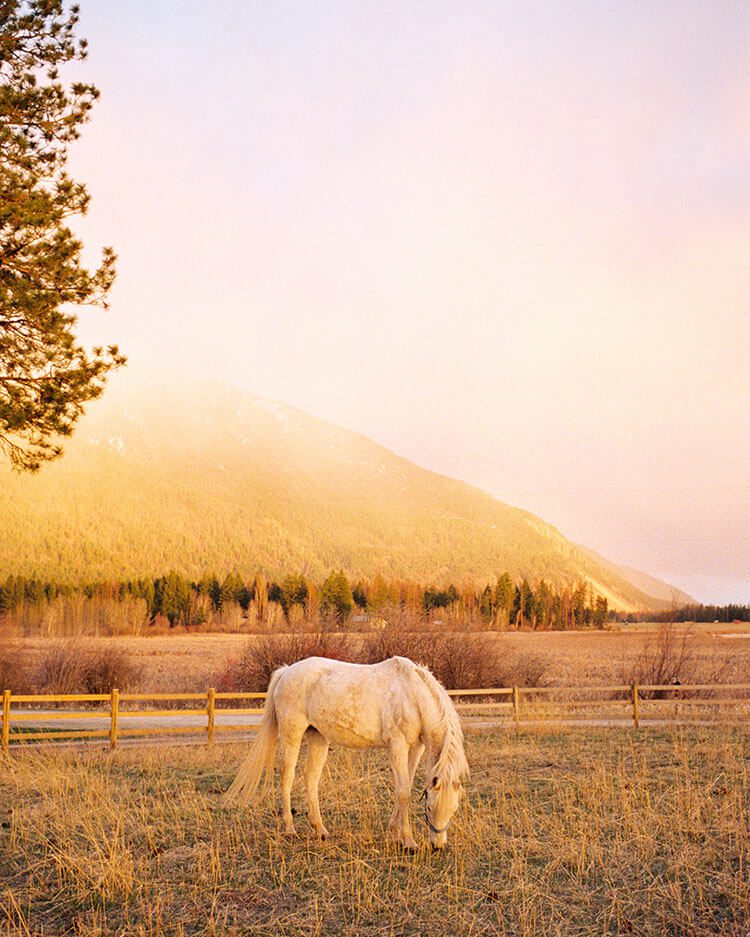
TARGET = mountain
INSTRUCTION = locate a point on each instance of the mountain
(668, 595)
(208, 478)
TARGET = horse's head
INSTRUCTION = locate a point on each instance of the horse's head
(442, 797)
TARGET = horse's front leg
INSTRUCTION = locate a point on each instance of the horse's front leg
(317, 752)
(415, 756)
(400, 823)
(289, 746)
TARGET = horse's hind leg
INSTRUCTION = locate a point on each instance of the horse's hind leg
(289, 746)
(317, 752)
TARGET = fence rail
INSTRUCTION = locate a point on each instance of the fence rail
(647, 704)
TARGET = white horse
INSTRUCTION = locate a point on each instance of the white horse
(395, 704)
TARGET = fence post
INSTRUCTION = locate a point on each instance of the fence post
(636, 718)
(6, 720)
(211, 713)
(516, 706)
(114, 707)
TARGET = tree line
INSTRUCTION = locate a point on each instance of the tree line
(338, 601)
(693, 612)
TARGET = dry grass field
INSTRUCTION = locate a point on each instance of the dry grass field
(193, 662)
(595, 832)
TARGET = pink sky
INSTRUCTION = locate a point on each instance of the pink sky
(507, 240)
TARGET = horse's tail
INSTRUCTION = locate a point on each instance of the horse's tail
(260, 758)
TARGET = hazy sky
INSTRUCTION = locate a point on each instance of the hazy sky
(510, 241)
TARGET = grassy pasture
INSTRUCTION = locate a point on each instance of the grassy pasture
(589, 832)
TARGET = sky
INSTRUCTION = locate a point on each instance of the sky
(508, 240)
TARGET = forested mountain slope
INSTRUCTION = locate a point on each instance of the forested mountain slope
(217, 479)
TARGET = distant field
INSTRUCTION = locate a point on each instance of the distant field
(577, 834)
(187, 662)
(698, 627)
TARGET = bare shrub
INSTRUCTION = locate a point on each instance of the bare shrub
(75, 667)
(524, 668)
(671, 657)
(459, 661)
(107, 667)
(481, 662)
(14, 674)
(392, 642)
(7, 671)
(252, 671)
(60, 668)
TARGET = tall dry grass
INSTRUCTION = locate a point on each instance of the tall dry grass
(602, 833)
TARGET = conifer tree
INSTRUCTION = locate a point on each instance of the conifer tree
(359, 594)
(173, 596)
(260, 592)
(145, 590)
(600, 612)
(293, 592)
(230, 588)
(46, 377)
(336, 597)
(543, 601)
(486, 604)
(504, 593)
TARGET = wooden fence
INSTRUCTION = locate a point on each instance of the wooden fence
(120, 715)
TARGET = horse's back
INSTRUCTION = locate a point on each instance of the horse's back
(331, 672)
(356, 705)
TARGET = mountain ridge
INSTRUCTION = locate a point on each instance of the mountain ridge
(217, 479)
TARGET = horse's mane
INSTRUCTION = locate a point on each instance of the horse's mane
(451, 761)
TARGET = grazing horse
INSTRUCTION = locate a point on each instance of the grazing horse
(395, 704)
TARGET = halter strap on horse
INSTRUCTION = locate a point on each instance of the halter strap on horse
(427, 820)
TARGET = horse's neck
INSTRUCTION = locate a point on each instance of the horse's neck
(441, 731)
(434, 743)
(435, 727)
